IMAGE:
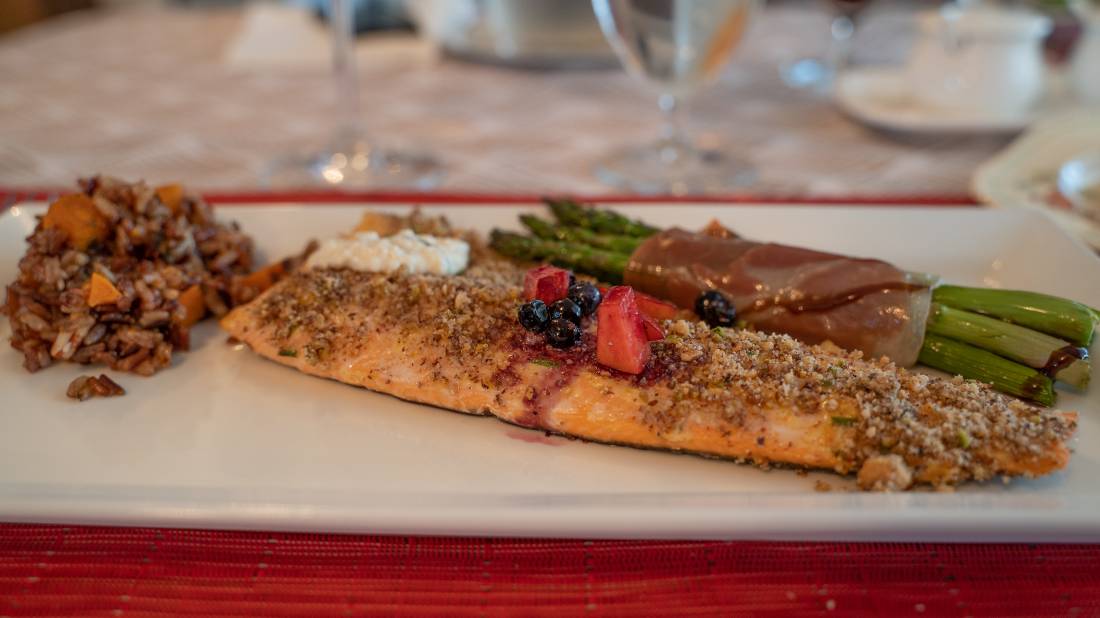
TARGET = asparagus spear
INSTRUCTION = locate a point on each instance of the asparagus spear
(549, 231)
(605, 265)
(977, 364)
(1017, 343)
(1063, 318)
(572, 214)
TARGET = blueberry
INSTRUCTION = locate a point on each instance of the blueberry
(562, 333)
(723, 315)
(708, 299)
(565, 309)
(715, 309)
(533, 316)
(586, 295)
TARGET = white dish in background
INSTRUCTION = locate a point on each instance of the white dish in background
(1025, 174)
(225, 439)
(979, 57)
(1079, 182)
(882, 98)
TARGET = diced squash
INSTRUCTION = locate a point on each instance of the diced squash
(380, 223)
(265, 277)
(78, 217)
(194, 307)
(171, 196)
(101, 291)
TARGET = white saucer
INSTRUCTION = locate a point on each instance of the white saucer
(882, 98)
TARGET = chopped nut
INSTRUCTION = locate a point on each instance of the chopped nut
(884, 473)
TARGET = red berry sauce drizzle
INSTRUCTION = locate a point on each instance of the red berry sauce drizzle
(562, 368)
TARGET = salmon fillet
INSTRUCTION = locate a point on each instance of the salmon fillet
(454, 342)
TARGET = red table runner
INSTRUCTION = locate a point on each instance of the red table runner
(59, 571)
(66, 571)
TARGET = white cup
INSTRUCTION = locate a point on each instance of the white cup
(979, 59)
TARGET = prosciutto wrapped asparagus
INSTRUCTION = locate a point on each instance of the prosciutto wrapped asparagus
(1019, 342)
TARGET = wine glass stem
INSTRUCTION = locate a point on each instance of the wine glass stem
(674, 140)
(343, 65)
(842, 29)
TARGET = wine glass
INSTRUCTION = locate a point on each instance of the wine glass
(352, 160)
(676, 46)
(820, 73)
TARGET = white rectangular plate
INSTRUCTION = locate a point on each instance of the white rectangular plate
(224, 439)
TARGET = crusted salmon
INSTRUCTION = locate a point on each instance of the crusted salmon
(454, 342)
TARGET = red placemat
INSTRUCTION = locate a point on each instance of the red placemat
(59, 571)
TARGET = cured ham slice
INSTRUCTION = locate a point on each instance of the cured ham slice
(858, 304)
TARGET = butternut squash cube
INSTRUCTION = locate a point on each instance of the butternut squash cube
(101, 291)
(77, 216)
(194, 306)
(171, 196)
(265, 277)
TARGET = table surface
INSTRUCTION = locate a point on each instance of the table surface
(147, 92)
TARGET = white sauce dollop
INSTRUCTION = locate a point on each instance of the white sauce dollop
(417, 253)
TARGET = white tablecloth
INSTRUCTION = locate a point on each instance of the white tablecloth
(148, 93)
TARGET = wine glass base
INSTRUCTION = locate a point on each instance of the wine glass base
(356, 168)
(808, 74)
(651, 170)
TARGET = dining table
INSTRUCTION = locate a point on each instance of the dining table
(181, 92)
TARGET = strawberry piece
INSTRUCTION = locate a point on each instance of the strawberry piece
(653, 330)
(621, 341)
(655, 307)
(652, 306)
(546, 283)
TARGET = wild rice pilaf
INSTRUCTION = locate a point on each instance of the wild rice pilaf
(118, 273)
